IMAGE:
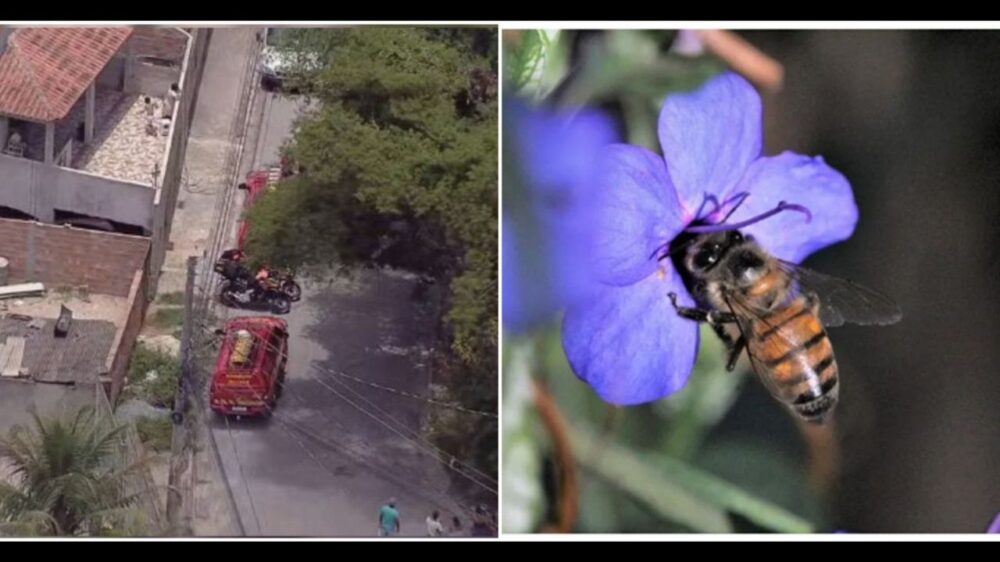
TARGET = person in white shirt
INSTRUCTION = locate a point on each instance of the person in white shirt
(434, 526)
(170, 101)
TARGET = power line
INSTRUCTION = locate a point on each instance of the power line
(439, 496)
(413, 433)
(399, 392)
(359, 458)
(388, 426)
(246, 483)
(419, 437)
(414, 396)
(397, 432)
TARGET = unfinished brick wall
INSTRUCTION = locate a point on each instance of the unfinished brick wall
(160, 42)
(59, 255)
(121, 350)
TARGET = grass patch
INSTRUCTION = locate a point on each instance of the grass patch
(157, 390)
(166, 318)
(175, 298)
(155, 433)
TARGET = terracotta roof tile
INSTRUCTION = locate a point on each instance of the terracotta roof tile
(44, 70)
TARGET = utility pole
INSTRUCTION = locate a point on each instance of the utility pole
(180, 443)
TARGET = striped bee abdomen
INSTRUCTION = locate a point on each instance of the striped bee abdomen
(791, 348)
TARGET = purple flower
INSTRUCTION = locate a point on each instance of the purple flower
(995, 525)
(547, 211)
(627, 341)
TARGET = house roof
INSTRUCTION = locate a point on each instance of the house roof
(45, 70)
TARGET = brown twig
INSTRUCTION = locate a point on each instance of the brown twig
(744, 58)
(511, 36)
(568, 494)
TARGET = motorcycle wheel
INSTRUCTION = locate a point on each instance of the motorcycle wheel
(280, 303)
(292, 290)
(226, 296)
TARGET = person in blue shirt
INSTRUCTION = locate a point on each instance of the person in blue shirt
(388, 519)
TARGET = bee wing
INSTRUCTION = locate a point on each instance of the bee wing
(844, 301)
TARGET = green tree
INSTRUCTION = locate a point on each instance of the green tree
(399, 167)
(65, 479)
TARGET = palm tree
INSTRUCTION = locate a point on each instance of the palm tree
(66, 476)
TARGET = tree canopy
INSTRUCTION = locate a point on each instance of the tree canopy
(398, 161)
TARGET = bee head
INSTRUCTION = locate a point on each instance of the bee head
(705, 253)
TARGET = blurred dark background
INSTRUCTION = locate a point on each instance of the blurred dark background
(912, 118)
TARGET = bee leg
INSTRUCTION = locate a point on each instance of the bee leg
(733, 348)
(734, 353)
(713, 317)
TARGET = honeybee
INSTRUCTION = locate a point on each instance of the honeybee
(778, 312)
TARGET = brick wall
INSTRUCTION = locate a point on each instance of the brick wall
(160, 42)
(121, 349)
(60, 255)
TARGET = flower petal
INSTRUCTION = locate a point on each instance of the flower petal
(805, 181)
(558, 150)
(637, 213)
(548, 208)
(709, 137)
(629, 344)
(994, 525)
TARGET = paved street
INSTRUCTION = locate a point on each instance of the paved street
(322, 466)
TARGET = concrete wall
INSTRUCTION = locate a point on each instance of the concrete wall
(152, 80)
(162, 43)
(113, 73)
(171, 170)
(121, 349)
(60, 255)
(39, 189)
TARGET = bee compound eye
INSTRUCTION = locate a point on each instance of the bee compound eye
(705, 258)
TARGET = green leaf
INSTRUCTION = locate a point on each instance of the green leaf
(668, 497)
(683, 493)
(523, 496)
(629, 64)
(523, 61)
(773, 474)
(703, 402)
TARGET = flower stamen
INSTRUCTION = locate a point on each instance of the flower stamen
(736, 200)
(715, 203)
(722, 226)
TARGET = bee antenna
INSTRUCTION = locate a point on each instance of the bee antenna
(782, 206)
(672, 252)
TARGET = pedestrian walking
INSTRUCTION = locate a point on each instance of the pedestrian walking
(481, 523)
(388, 519)
(434, 526)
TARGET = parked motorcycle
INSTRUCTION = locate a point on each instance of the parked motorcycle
(230, 265)
(243, 293)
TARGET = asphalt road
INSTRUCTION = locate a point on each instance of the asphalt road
(328, 458)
